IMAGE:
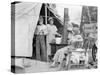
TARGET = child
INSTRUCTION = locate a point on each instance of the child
(52, 31)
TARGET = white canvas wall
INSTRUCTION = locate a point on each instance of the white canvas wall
(26, 17)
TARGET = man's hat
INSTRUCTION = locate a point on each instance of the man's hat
(75, 25)
(50, 19)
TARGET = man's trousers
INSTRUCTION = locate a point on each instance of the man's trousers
(41, 53)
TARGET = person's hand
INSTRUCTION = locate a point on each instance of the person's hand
(41, 32)
(58, 34)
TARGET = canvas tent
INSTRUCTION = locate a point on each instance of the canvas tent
(26, 17)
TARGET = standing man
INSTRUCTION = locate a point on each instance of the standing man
(52, 31)
(41, 31)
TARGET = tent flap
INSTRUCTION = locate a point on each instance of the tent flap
(26, 17)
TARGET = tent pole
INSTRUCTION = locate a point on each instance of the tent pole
(46, 24)
(46, 13)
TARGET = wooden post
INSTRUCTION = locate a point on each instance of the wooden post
(81, 24)
(45, 13)
(65, 33)
(46, 24)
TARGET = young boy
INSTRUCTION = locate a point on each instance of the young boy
(52, 31)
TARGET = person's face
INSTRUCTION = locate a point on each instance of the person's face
(40, 22)
(51, 22)
(76, 30)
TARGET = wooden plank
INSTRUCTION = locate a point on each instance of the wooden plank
(65, 33)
